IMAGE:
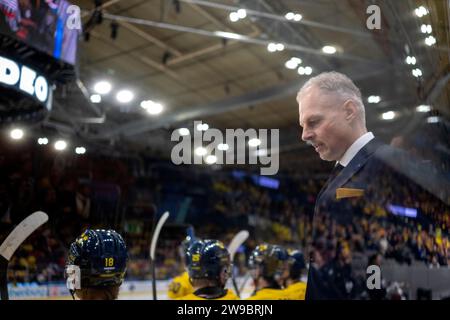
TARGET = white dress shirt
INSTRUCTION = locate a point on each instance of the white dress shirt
(355, 147)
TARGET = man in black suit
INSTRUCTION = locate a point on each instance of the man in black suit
(368, 178)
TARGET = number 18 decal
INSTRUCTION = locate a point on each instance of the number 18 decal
(109, 262)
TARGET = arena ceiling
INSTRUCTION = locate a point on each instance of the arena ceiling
(170, 52)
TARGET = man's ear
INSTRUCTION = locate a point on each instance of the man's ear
(350, 110)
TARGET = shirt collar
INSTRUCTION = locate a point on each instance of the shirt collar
(355, 147)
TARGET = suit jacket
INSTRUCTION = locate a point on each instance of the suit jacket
(379, 175)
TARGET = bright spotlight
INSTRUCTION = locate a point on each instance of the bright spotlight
(429, 41)
(289, 16)
(280, 47)
(433, 119)
(426, 28)
(242, 13)
(42, 141)
(152, 107)
(80, 150)
(416, 72)
(272, 47)
(60, 145)
(234, 16)
(423, 108)
(102, 87)
(373, 99)
(329, 50)
(183, 131)
(96, 98)
(16, 134)
(308, 70)
(124, 96)
(254, 142)
(290, 64)
(388, 115)
(211, 159)
(421, 11)
(411, 60)
(202, 127)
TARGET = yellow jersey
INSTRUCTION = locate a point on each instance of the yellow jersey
(296, 291)
(229, 296)
(180, 286)
(269, 294)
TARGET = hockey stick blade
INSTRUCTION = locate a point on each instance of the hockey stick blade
(13, 241)
(21, 232)
(155, 237)
(237, 241)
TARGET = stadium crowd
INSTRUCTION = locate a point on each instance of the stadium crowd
(105, 192)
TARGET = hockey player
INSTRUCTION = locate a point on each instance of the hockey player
(209, 267)
(295, 289)
(96, 265)
(267, 265)
(181, 286)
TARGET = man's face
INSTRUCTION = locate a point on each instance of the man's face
(324, 124)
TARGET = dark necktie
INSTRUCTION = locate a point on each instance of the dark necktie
(334, 173)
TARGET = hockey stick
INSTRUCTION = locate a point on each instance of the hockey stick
(246, 278)
(155, 237)
(13, 241)
(237, 241)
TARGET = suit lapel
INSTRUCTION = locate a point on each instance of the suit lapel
(351, 169)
